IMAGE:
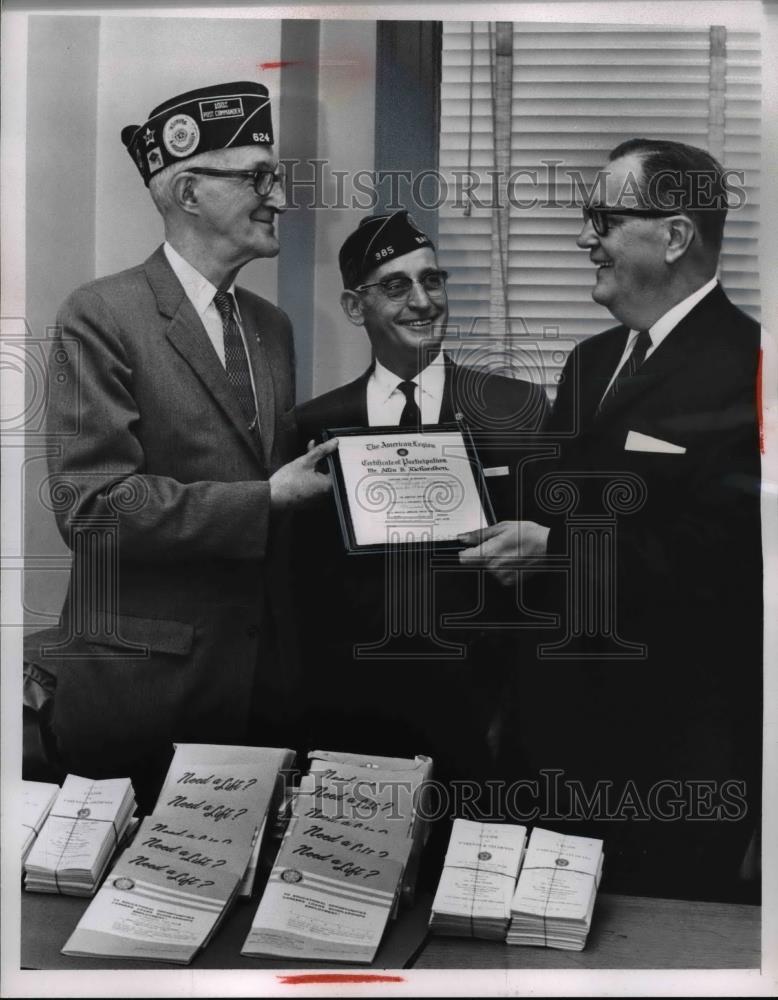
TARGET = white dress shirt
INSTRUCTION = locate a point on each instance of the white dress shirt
(200, 293)
(385, 402)
(663, 326)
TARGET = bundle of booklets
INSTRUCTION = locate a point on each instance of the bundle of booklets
(473, 898)
(85, 825)
(37, 799)
(349, 855)
(556, 891)
(190, 859)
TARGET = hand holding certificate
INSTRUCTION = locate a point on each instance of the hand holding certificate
(397, 487)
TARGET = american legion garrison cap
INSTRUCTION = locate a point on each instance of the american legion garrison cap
(377, 240)
(210, 118)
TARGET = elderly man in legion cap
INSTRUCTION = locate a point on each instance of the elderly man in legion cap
(420, 684)
(173, 429)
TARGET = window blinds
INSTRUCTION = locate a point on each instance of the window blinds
(576, 92)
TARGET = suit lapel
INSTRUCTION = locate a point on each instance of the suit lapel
(353, 404)
(595, 380)
(681, 346)
(188, 336)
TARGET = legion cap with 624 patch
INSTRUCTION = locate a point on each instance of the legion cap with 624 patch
(210, 118)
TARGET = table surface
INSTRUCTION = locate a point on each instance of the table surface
(628, 932)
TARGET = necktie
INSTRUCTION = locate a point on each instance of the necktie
(411, 414)
(235, 360)
(628, 369)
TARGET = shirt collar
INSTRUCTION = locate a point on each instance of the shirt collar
(198, 288)
(667, 323)
(430, 379)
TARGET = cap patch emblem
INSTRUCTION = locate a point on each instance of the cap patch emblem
(154, 158)
(228, 107)
(180, 135)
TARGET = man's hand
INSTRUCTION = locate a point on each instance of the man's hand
(505, 547)
(299, 482)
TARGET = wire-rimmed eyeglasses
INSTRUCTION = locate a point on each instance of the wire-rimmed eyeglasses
(433, 283)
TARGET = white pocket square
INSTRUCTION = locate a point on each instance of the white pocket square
(644, 442)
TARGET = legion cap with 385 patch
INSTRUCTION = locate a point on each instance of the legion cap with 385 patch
(378, 239)
(210, 118)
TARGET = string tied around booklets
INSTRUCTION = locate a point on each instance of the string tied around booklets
(83, 814)
(554, 872)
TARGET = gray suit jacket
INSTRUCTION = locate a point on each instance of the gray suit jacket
(161, 491)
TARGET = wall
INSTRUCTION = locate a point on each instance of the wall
(346, 139)
(63, 59)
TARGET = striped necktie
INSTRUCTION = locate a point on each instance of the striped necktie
(628, 369)
(235, 360)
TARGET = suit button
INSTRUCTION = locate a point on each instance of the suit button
(252, 631)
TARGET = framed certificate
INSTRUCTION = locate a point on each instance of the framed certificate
(398, 487)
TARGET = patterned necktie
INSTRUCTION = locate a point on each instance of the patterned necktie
(235, 360)
(628, 369)
(411, 414)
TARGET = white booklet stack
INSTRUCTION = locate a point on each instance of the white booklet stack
(556, 891)
(83, 829)
(37, 800)
(340, 870)
(170, 889)
(473, 897)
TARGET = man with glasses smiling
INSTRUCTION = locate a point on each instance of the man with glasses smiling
(417, 695)
(173, 441)
(666, 400)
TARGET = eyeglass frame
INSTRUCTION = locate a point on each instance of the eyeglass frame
(637, 213)
(277, 176)
(440, 273)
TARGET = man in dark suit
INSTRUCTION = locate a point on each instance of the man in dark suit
(426, 685)
(651, 699)
(171, 426)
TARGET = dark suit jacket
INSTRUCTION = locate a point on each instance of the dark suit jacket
(422, 697)
(151, 455)
(688, 579)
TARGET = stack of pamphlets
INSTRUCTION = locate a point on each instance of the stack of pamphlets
(556, 891)
(169, 891)
(400, 788)
(340, 870)
(83, 829)
(37, 800)
(473, 897)
(269, 766)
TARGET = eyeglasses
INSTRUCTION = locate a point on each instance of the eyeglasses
(599, 216)
(263, 180)
(433, 283)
